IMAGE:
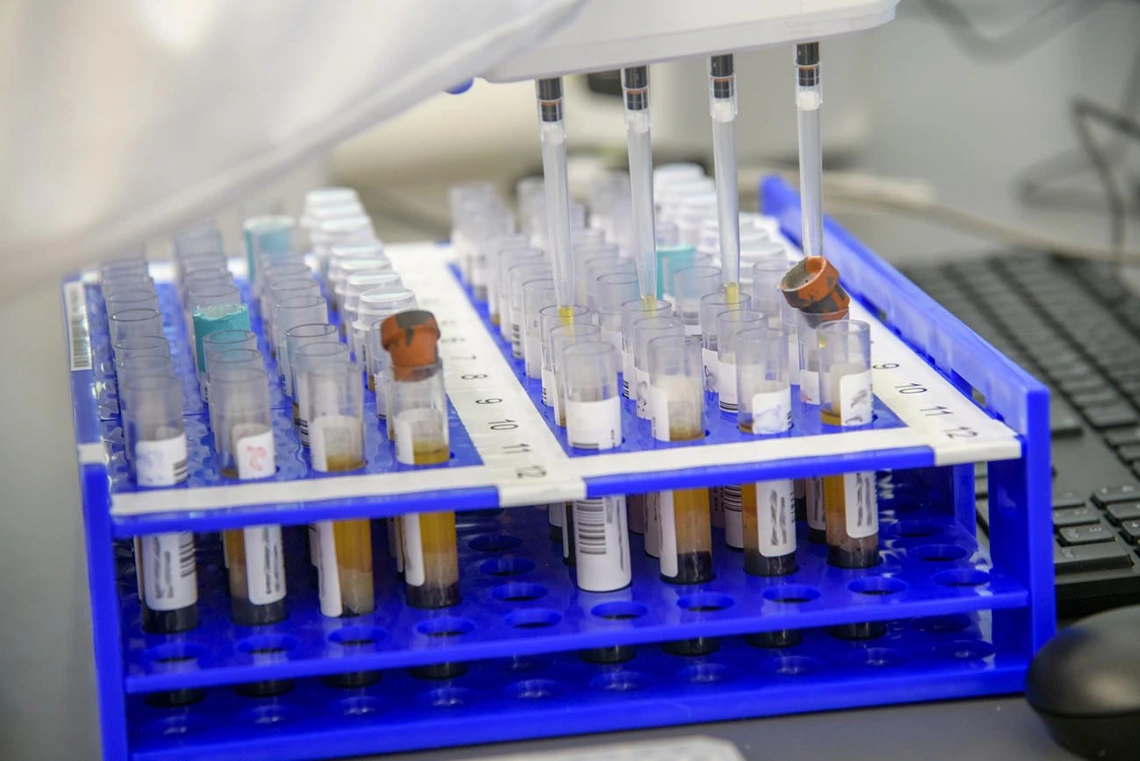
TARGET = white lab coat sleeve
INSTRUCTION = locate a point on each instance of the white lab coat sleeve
(120, 119)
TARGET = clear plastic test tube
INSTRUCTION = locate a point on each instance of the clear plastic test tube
(125, 282)
(559, 336)
(596, 270)
(508, 259)
(167, 573)
(132, 366)
(584, 258)
(689, 286)
(376, 306)
(140, 345)
(215, 308)
(225, 340)
(766, 295)
(645, 330)
(495, 251)
(677, 403)
(851, 499)
(243, 440)
(418, 423)
(728, 325)
(338, 291)
(265, 234)
(711, 306)
(631, 312)
(765, 409)
(278, 291)
(295, 338)
(537, 295)
(135, 322)
(613, 290)
(355, 286)
(492, 226)
(593, 421)
(308, 357)
(134, 298)
(550, 319)
(291, 312)
(520, 275)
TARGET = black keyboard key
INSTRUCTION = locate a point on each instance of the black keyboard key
(1096, 398)
(1067, 499)
(1090, 557)
(1075, 516)
(1082, 384)
(1129, 452)
(1122, 436)
(1097, 532)
(1124, 511)
(1110, 495)
(1063, 420)
(1111, 416)
(1131, 531)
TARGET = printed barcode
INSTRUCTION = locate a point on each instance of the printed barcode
(590, 522)
(181, 471)
(731, 498)
(480, 293)
(186, 554)
(625, 386)
(588, 445)
(727, 406)
(78, 330)
(516, 340)
(304, 427)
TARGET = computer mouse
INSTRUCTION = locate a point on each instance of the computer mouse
(1085, 684)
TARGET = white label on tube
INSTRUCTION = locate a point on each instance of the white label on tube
(793, 359)
(380, 384)
(813, 492)
(328, 576)
(855, 398)
(692, 328)
(162, 462)
(567, 527)
(653, 524)
(548, 387)
(404, 431)
(709, 361)
(726, 385)
(492, 298)
(516, 333)
(554, 513)
(334, 436)
(532, 356)
(600, 544)
(667, 526)
(414, 573)
(594, 425)
(659, 412)
(641, 393)
(314, 546)
(776, 518)
(613, 338)
(169, 575)
(628, 375)
(254, 451)
(139, 566)
(809, 386)
(264, 564)
(396, 541)
(862, 504)
(733, 517)
(78, 327)
(772, 411)
(716, 507)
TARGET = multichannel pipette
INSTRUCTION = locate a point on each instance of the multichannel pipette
(722, 108)
(556, 182)
(809, 98)
(635, 88)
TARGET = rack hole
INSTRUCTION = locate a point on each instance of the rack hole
(955, 622)
(533, 618)
(705, 673)
(519, 592)
(267, 644)
(272, 715)
(621, 681)
(940, 553)
(877, 585)
(171, 653)
(791, 594)
(535, 689)
(880, 657)
(966, 649)
(794, 665)
(620, 610)
(705, 602)
(506, 566)
(174, 726)
(360, 706)
(358, 636)
(961, 577)
(446, 626)
(915, 529)
(494, 543)
(450, 697)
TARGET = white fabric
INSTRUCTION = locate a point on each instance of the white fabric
(125, 118)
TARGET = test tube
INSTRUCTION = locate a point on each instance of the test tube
(508, 258)
(135, 322)
(613, 290)
(594, 255)
(374, 307)
(291, 312)
(496, 248)
(537, 294)
(596, 270)
(711, 306)
(555, 182)
(728, 326)
(342, 232)
(418, 422)
(677, 402)
(215, 308)
(690, 286)
(140, 345)
(847, 400)
(276, 274)
(295, 338)
(631, 312)
(224, 340)
(766, 297)
(551, 318)
(520, 274)
(243, 439)
(140, 364)
(308, 356)
(722, 108)
(809, 98)
(558, 337)
(168, 583)
(265, 234)
(278, 291)
(355, 286)
(593, 421)
(645, 330)
(672, 259)
(488, 228)
(769, 516)
(133, 298)
(126, 282)
(339, 287)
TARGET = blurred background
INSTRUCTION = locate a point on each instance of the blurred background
(968, 106)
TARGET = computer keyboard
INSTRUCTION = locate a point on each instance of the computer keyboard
(1076, 327)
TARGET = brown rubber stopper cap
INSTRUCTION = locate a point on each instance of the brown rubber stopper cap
(813, 286)
(411, 338)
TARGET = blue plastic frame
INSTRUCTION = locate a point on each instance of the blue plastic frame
(961, 621)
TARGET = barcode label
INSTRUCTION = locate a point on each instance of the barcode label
(709, 367)
(334, 439)
(855, 398)
(169, 576)
(776, 518)
(532, 354)
(667, 526)
(254, 451)
(772, 411)
(548, 387)
(733, 516)
(414, 572)
(395, 542)
(328, 576)
(78, 327)
(813, 493)
(516, 333)
(809, 386)
(264, 564)
(601, 544)
(162, 462)
(652, 513)
(726, 383)
(628, 375)
(594, 425)
(861, 504)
